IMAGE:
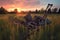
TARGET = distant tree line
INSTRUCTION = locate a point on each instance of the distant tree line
(49, 11)
(3, 11)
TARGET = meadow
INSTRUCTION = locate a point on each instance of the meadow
(15, 31)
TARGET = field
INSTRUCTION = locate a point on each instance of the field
(15, 31)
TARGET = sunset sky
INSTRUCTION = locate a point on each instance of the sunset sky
(27, 4)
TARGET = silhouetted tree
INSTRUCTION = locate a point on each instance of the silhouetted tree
(59, 10)
(48, 9)
(55, 10)
(15, 10)
(49, 6)
(42, 10)
(3, 11)
(36, 11)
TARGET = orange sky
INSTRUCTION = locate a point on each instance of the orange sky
(21, 4)
(27, 4)
(12, 7)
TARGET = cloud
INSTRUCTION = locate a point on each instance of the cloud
(20, 3)
(6, 2)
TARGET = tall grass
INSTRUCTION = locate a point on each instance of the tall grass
(12, 31)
